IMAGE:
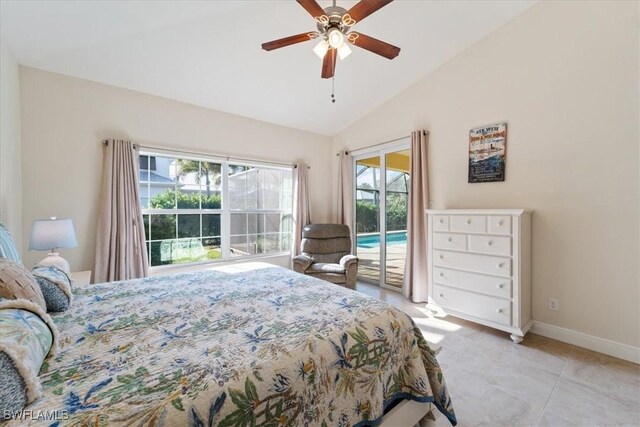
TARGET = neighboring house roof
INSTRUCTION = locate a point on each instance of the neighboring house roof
(155, 178)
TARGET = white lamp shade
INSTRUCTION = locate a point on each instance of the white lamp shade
(321, 49)
(335, 38)
(344, 51)
(49, 234)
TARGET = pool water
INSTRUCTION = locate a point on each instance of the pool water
(372, 241)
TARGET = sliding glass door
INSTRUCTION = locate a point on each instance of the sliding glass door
(367, 228)
(396, 209)
(381, 199)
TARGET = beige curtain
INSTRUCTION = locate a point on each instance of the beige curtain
(301, 205)
(344, 206)
(415, 271)
(120, 242)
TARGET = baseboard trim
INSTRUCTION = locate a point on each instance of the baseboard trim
(601, 345)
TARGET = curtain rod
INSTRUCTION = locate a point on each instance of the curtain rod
(227, 157)
(424, 132)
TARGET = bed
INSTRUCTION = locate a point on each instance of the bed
(251, 345)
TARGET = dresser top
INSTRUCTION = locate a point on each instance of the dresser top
(478, 211)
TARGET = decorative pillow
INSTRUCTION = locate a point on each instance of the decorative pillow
(7, 246)
(27, 337)
(13, 389)
(17, 282)
(55, 285)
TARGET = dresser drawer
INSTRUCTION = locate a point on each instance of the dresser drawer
(499, 224)
(495, 286)
(473, 262)
(440, 223)
(468, 223)
(492, 245)
(454, 242)
(485, 307)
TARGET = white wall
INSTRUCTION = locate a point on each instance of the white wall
(65, 118)
(10, 148)
(564, 75)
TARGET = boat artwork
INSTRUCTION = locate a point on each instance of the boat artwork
(487, 153)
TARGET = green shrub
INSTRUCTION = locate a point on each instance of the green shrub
(366, 217)
(169, 198)
(367, 214)
(396, 211)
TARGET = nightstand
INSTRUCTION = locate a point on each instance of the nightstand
(80, 278)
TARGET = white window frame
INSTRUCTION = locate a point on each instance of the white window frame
(225, 211)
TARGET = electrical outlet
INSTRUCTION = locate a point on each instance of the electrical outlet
(553, 304)
(430, 204)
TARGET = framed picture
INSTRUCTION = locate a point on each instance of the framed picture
(487, 153)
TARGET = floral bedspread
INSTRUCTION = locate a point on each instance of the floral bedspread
(266, 347)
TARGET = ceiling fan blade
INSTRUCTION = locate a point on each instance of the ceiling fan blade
(374, 45)
(287, 41)
(312, 7)
(364, 8)
(329, 64)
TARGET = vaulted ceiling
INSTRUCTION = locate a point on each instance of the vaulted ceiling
(208, 53)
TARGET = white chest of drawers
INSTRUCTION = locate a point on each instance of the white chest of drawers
(479, 263)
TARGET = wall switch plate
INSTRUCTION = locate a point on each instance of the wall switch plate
(553, 304)
(430, 204)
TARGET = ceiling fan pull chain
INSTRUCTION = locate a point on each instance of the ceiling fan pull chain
(333, 90)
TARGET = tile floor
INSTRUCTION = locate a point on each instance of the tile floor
(541, 382)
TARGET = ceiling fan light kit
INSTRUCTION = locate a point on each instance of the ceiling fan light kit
(334, 24)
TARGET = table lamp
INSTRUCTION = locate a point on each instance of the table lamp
(51, 234)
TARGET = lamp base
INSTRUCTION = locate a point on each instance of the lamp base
(54, 259)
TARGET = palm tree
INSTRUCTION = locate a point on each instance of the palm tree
(204, 170)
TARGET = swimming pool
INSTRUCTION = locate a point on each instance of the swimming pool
(371, 241)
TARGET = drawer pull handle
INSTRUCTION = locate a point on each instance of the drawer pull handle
(441, 256)
(441, 295)
(441, 221)
(441, 274)
(499, 311)
(468, 221)
(490, 242)
(501, 264)
(449, 239)
(500, 222)
(501, 285)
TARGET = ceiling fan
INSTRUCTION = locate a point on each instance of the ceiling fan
(333, 24)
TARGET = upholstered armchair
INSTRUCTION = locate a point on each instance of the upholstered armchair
(326, 254)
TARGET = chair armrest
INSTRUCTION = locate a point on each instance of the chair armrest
(348, 260)
(301, 263)
(350, 264)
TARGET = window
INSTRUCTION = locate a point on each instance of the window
(198, 210)
(148, 162)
